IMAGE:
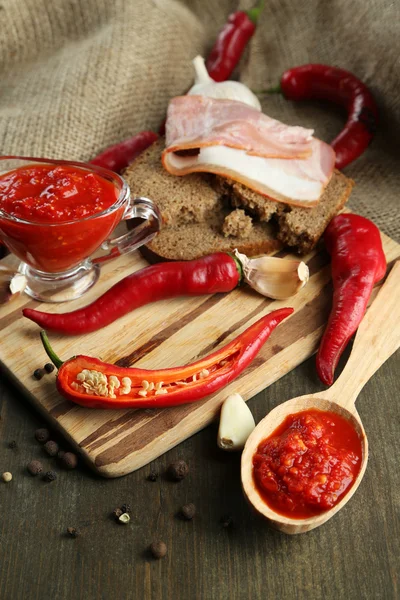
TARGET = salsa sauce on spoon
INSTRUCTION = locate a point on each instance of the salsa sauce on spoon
(308, 463)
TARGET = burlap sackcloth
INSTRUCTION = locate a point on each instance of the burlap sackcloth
(78, 75)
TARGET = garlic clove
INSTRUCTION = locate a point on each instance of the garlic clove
(11, 284)
(204, 85)
(276, 278)
(236, 423)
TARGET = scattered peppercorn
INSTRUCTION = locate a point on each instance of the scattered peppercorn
(51, 448)
(13, 445)
(69, 460)
(60, 454)
(49, 367)
(226, 521)
(158, 549)
(124, 518)
(38, 373)
(117, 512)
(7, 477)
(42, 435)
(188, 511)
(126, 508)
(178, 470)
(73, 532)
(50, 476)
(153, 476)
(35, 467)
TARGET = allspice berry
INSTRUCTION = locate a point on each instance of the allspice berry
(69, 460)
(51, 448)
(178, 470)
(35, 467)
(188, 511)
(42, 435)
(73, 532)
(158, 549)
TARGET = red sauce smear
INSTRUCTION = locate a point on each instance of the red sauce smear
(308, 463)
(57, 195)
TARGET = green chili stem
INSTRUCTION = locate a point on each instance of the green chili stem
(254, 13)
(274, 90)
(49, 350)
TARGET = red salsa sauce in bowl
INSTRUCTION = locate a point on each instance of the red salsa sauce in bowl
(48, 214)
(307, 464)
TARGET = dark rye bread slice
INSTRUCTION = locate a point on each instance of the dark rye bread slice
(297, 227)
(198, 239)
(181, 200)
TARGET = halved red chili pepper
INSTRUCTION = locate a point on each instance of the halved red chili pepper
(219, 272)
(358, 262)
(89, 382)
(119, 156)
(322, 82)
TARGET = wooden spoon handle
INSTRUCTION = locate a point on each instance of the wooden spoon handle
(377, 338)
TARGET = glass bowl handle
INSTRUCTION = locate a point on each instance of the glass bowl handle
(143, 233)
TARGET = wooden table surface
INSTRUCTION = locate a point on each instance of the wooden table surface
(353, 556)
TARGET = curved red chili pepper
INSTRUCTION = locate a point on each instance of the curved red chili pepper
(217, 272)
(118, 157)
(358, 262)
(231, 42)
(181, 384)
(321, 82)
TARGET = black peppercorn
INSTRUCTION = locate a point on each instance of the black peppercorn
(38, 373)
(152, 476)
(126, 508)
(35, 467)
(69, 460)
(226, 521)
(49, 367)
(60, 454)
(188, 511)
(51, 448)
(158, 549)
(42, 435)
(178, 470)
(73, 532)
(117, 512)
(50, 476)
(13, 445)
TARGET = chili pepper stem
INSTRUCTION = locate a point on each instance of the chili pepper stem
(273, 90)
(49, 350)
(254, 13)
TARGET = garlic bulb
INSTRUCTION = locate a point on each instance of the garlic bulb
(204, 85)
(276, 278)
(236, 423)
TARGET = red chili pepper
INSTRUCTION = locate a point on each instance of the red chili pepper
(117, 157)
(321, 82)
(231, 42)
(218, 272)
(171, 387)
(358, 262)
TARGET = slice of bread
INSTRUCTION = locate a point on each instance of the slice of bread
(300, 228)
(181, 200)
(198, 239)
(200, 213)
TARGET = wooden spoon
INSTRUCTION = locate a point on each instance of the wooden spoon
(377, 338)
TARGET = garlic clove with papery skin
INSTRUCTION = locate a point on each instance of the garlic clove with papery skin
(236, 423)
(276, 278)
(11, 284)
(204, 85)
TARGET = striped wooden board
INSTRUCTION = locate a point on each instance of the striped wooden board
(168, 333)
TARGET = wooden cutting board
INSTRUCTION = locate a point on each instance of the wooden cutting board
(165, 334)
